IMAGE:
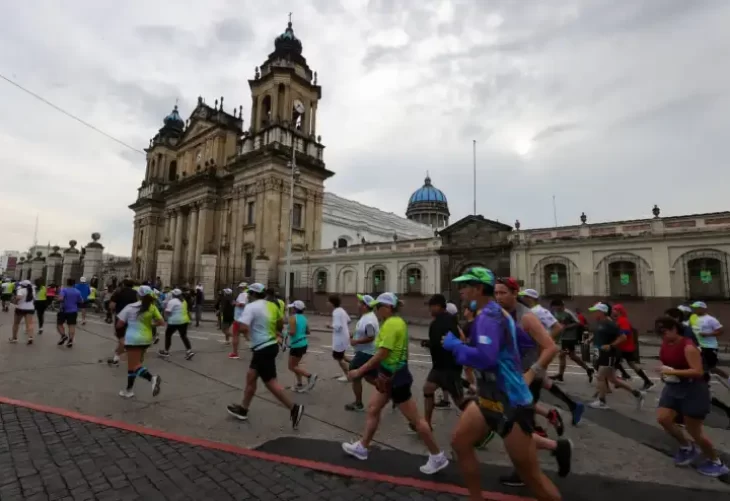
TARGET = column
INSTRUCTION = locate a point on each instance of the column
(191, 237)
(200, 239)
(177, 247)
(234, 232)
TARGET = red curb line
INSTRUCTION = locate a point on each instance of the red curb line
(276, 458)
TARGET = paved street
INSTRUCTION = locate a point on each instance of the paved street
(621, 442)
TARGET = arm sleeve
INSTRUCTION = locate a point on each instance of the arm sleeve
(124, 315)
(485, 353)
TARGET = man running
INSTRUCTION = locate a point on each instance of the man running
(7, 293)
(84, 290)
(71, 300)
(363, 342)
(121, 298)
(627, 350)
(707, 329)
(340, 335)
(569, 339)
(240, 304)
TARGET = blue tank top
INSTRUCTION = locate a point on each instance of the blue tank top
(526, 346)
(299, 338)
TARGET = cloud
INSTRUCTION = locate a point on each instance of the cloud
(562, 98)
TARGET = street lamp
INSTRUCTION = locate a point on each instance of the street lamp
(294, 177)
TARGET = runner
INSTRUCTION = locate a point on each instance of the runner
(537, 348)
(445, 373)
(137, 321)
(570, 337)
(41, 302)
(121, 298)
(260, 322)
(7, 293)
(227, 312)
(394, 381)
(685, 393)
(51, 297)
(297, 330)
(363, 341)
(443, 402)
(240, 304)
(340, 336)
(273, 297)
(504, 402)
(627, 349)
(70, 301)
(707, 329)
(92, 299)
(607, 336)
(24, 311)
(199, 301)
(178, 320)
(84, 290)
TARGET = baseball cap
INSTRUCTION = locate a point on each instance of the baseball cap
(82, 280)
(387, 298)
(684, 308)
(144, 290)
(227, 291)
(599, 307)
(176, 292)
(257, 288)
(366, 299)
(243, 285)
(451, 309)
(24, 283)
(699, 304)
(529, 293)
(476, 275)
(297, 305)
(509, 282)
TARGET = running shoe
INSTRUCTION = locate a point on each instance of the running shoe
(126, 393)
(557, 378)
(311, 382)
(40, 331)
(156, 385)
(435, 463)
(578, 413)
(443, 405)
(563, 454)
(297, 388)
(355, 407)
(713, 469)
(30, 341)
(598, 404)
(63, 340)
(591, 373)
(112, 361)
(237, 412)
(556, 421)
(684, 457)
(511, 480)
(648, 386)
(342, 379)
(356, 450)
(70, 344)
(13, 340)
(189, 354)
(233, 356)
(163, 353)
(640, 401)
(296, 415)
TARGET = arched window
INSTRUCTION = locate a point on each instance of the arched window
(266, 111)
(172, 171)
(705, 278)
(341, 243)
(414, 281)
(378, 284)
(320, 285)
(623, 279)
(556, 280)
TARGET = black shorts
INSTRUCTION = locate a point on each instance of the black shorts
(338, 355)
(502, 418)
(607, 358)
(629, 356)
(263, 362)
(687, 398)
(709, 358)
(22, 313)
(6, 297)
(298, 352)
(361, 359)
(449, 380)
(66, 318)
(536, 389)
(568, 345)
(83, 305)
(401, 394)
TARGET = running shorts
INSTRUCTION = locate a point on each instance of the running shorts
(298, 352)
(21, 313)
(66, 318)
(607, 358)
(6, 297)
(338, 355)
(263, 362)
(536, 389)
(502, 418)
(568, 345)
(360, 359)
(687, 398)
(709, 358)
(629, 356)
(397, 386)
(449, 380)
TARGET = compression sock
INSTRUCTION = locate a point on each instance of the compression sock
(555, 390)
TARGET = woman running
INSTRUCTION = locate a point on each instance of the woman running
(227, 312)
(41, 302)
(297, 329)
(138, 321)
(178, 320)
(24, 311)
(627, 350)
(686, 392)
(394, 382)
(363, 342)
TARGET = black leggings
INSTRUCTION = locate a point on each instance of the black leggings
(40, 309)
(182, 329)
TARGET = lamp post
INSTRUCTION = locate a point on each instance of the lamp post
(294, 176)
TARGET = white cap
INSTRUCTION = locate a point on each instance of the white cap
(82, 280)
(243, 285)
(297, 305)
(257, 288)
(365, 299)
(198, 287)
(698, 304)
(176, 292)
(684, 308)
(227, 291)
(387, 298)
(144, 290)
(529, 293)
(599, 307)
(451, 309)
(24, 283)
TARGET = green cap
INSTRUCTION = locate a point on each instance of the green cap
(477, 275)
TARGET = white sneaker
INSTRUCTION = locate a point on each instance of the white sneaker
(356, 450)
(342, 379)
(312, 382)
(598, 405)
(126, 393)
(640, 400)
(435, 463)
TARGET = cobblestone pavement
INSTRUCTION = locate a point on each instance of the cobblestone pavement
(49, 457)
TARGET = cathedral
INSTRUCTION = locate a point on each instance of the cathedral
(215, 205)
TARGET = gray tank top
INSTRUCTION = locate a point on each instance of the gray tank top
(529, 350)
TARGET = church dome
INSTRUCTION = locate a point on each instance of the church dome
(174, 120)
(288, 42)
(428, 205)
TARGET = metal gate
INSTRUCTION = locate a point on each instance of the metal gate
(706, 275)
(76, 270)
(624, 276)
(555, 275)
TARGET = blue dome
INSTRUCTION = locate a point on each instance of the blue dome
(174, 119)
(427, 193)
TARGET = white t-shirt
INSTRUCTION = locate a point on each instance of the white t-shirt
(546, 318)
(367, 326)
(702, 325)
(340, 332)
(21, 293)
(6, 287)
(238, 310)
(175, 312)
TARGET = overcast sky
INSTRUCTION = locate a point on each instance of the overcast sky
(610, 106)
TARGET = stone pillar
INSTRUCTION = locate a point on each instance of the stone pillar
(261, 269)
(201, 231)
(20, 269)
(208, 265)
(191, 239)
(177, 247)
(52, 262)
(71, 257)
(36, 266)
(93, 257)
(164, 264)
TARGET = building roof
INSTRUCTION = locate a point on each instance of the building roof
(343, 212)
(427, 193)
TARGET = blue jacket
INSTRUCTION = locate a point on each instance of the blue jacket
(84, 290)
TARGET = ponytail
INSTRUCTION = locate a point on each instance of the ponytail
(29, 293)
(147, 302)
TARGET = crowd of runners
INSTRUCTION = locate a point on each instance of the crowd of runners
(490, 359)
